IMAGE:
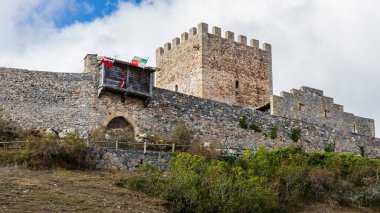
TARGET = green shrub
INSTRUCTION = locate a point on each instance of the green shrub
(295, 134)
(322, 182)
(262, 181)
(7, 132)
(255, 127)
(329, 147)
(150, 181)
(48, 152)
(182, 133)
(243, 123)
(14, 157)
(273, 133)
(362, 151)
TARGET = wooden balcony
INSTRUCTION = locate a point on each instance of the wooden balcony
(138, 81)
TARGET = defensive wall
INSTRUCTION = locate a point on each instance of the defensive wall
(310, 105)
(210, 66)
(34, 99)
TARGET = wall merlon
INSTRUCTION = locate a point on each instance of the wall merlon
(203, 28)
(285, 94)
(167, 46)
(184, 37)
(217, 31)
(230, 35)
(254, 43)
(89, 62)
(159, 51)
(175, 42)
(242, 39)
(267, 47)
(193, 31)
(339, 107)
(311, 90)
(296, 92)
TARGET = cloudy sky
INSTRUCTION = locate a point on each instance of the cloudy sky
(331, 45)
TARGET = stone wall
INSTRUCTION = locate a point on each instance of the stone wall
(234, 72)
(180, 64)
(219, 68)
(47, 99)
(60, 100)
(104, 158)
(310, 105)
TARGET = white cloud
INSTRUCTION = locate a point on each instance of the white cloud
(331, 45)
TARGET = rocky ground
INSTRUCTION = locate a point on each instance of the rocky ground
(23, 190)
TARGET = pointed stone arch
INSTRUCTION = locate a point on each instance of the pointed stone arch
(117, 119)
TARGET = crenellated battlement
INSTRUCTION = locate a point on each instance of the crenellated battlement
(311, 105)
(216, 65)
(202, 30)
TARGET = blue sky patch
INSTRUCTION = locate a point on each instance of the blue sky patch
(87, 10)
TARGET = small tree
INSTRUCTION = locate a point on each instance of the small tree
(182, 134)
(243, 122)
(295, 134)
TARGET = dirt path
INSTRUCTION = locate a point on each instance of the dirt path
(22, 190)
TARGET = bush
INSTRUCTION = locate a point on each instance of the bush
(273, 133)
(329, 147)
(182, 134)
(209, 152)
(14, 157)
(158, 138)
(69, 153)
(263, 181)
(150, 181)
(362, 151)
(7, 132)
(255, 127)
(43, 153)
(295, 134)
(243, 123)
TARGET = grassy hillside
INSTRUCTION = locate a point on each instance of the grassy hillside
(24, 190)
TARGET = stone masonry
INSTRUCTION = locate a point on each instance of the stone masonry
(310, 105)
(209, 66)
(33, 99)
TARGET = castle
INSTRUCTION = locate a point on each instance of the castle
(209, 66)
(207, 80)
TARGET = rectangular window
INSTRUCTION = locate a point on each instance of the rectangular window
(326, 111)
(300, 106)
(354, 129)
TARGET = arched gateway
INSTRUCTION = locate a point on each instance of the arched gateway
(120, 126)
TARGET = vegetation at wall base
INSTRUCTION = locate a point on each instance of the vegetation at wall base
(329, 146)
(295, 134)
(255, 127)
(362, 151)
(243, 123)
(273, 133)
(279, 180)
(48, 152)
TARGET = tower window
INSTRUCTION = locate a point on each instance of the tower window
(354, 129)
(237, 87)
(326, 111)
(300, 106)
(176, 88)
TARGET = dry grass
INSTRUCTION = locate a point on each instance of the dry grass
(23, 190)
(326, 208)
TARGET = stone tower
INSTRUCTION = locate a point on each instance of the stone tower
(210, 66)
